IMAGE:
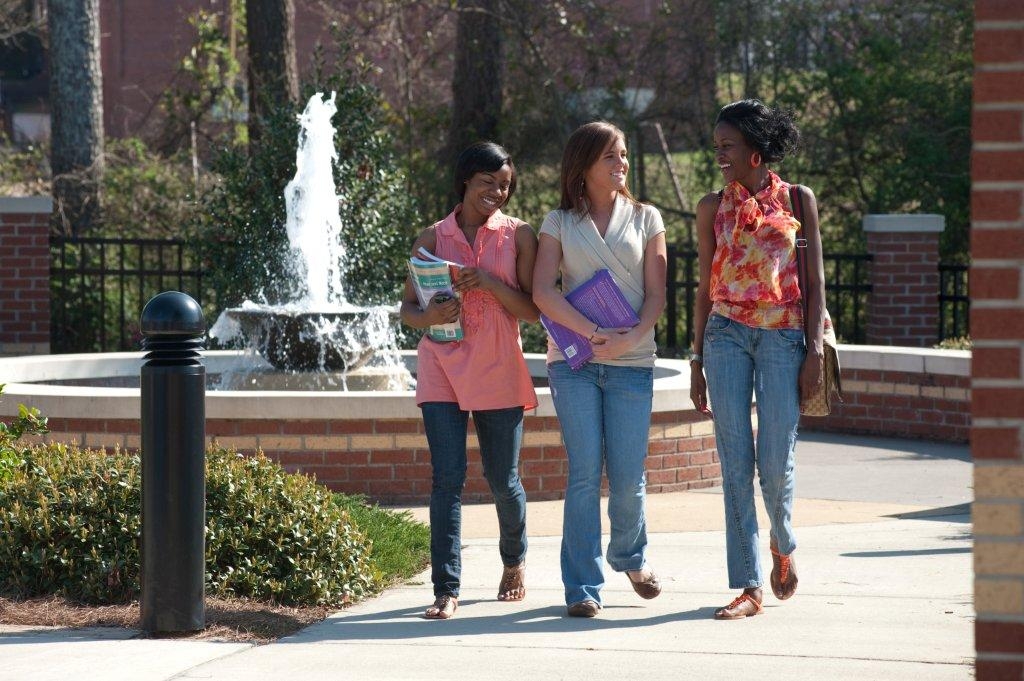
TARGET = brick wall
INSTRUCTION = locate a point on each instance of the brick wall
(903, 305)
(900, 404)
(388, 459)
(997, 327)
(25, 275)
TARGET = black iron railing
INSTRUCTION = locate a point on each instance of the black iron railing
(98, 287)
(954, 303)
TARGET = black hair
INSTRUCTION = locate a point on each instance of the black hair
(482, 157)
(769, 130)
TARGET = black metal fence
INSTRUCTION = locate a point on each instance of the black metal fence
(98, 287)
(954, 303)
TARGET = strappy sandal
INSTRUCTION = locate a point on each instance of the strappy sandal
(443, 608)
(783, 578)
(512, 586)
(742, 606)
(647, 587)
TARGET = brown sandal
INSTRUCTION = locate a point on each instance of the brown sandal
(742, 606)
(512, 586)
(443, 608)
(783, 577)
(648, 587)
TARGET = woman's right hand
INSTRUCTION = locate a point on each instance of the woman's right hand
(442, 309)
(699, 388)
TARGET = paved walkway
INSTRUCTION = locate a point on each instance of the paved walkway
(885, 593)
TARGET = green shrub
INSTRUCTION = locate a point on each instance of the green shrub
(12, 454)
(961, 343)
(401, 545)
(70, 521)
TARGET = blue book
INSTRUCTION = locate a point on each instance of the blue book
(600, 300)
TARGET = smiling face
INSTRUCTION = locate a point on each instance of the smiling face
(732, 153)
(486, 192)
(608, 173)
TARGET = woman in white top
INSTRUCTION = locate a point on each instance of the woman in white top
(604, 407)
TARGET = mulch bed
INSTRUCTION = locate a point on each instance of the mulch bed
(226, 619)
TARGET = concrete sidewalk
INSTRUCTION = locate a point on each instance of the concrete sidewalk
(885, 593)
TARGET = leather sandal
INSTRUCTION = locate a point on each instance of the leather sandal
(443, 608)
(647, 587)
(742, 606)
(587, 608)
(783, 577)
(512, 587)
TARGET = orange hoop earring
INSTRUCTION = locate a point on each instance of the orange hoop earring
(755, 159)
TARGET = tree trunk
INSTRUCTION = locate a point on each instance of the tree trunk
(273, 73)
(76, 99)
(476, 85)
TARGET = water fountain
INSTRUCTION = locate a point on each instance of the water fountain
(320, 331)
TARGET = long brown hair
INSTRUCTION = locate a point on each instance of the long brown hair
(582, 150)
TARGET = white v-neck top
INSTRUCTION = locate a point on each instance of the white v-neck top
(621, 251)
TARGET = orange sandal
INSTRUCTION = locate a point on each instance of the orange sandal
(782, 570)
(742, 606)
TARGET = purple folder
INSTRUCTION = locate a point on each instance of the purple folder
(600, 300)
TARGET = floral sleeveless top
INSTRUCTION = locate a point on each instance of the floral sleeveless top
(754, 275)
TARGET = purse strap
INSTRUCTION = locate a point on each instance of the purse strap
(797, 204)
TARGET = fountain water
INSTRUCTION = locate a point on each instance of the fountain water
(320, 331)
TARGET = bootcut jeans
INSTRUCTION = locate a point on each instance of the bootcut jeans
(741, 361)
(605, 416)
(500, 433)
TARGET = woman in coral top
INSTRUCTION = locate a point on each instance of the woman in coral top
(484, 373)
(749, 338)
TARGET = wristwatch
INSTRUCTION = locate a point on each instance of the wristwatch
(696, 358)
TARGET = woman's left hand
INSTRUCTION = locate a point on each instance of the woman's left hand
(810, 374)
(618, 342)
(473, 277)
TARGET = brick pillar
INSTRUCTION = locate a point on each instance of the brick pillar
(903, 308)
(25, 275)
(997, 327)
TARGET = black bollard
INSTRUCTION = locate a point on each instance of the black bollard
(173, 465)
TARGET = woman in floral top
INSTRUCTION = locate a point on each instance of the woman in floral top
(749, 338)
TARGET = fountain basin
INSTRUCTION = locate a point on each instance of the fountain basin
(307, 341)
(368, 442)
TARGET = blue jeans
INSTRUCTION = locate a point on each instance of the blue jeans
(741, 361)
(500, 432)
(605, 415)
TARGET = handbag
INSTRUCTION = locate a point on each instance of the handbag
(831, 386)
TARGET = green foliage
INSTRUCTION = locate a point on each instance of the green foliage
(280, 537)
(24, 170)
(401, 545)
(882, 93)
(28, 422)
(961, 343)
(245, 212)
(206, 89)
(70, 525)
(148, 194)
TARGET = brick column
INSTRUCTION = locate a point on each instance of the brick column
(903, 308)
(997, 327)
(25, 275)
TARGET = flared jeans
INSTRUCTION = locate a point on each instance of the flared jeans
(605, 416)
(740, 362)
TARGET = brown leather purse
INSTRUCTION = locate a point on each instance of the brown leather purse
(831, 387)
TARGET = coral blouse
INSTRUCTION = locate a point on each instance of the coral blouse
(486, 369)
(754, 274)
